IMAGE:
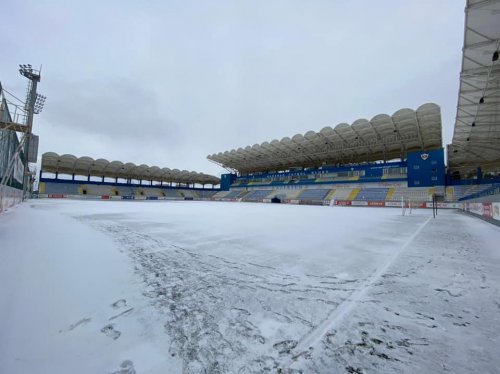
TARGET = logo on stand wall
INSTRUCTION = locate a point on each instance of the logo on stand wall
(424, 156)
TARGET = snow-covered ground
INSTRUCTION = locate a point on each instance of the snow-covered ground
(208, 287)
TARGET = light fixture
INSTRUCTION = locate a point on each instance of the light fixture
(473, 124)
(28, 72)
(468, 139)
(39, 103)
(481, 100)
(495, 56)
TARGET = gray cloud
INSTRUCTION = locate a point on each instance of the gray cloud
(115, 109)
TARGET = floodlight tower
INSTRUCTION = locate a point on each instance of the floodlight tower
(34, 104)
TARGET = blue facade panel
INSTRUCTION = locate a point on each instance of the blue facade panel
(426, 169)
(226, 180)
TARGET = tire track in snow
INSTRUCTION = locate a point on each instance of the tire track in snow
(313, 337)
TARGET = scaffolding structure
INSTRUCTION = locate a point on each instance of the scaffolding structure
(16, 116)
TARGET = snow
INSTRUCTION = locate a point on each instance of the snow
(156, 287)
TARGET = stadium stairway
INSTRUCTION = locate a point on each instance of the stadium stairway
(330, 194)
(431, 191)
(354, 193)
(390, 193)
(450, 194)
(341, 193)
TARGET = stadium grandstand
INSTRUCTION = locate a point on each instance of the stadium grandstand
(117, 180)
(385, 161)
(374, 162)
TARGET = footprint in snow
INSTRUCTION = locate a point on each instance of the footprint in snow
(119, 304)
(81, 322)
(126, 367)
(110, 331)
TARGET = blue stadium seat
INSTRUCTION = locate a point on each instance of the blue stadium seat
(313, 194)
(257, 195)
(372, 194)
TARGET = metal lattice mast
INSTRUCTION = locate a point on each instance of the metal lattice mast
(31, 102)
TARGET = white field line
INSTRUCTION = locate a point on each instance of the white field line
(314, 336)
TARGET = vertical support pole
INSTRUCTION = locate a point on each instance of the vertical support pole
(30, 105)
(434, 205)
(435, 197)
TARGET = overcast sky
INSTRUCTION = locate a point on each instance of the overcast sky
(167, 83)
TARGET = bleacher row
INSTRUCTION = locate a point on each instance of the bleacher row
(322, 179)
(469, 191)
(306, 195)
(319, 195)
(397, 193)
(110, 190)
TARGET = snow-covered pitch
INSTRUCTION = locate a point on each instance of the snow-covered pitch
(209, 287)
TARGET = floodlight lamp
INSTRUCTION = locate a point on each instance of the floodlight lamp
(495, 56)
(473, 124)
(481, 100)
(468, 139)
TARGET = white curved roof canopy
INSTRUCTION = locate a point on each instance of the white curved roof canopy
(69, 164)
(384, 137)
(476, 139)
